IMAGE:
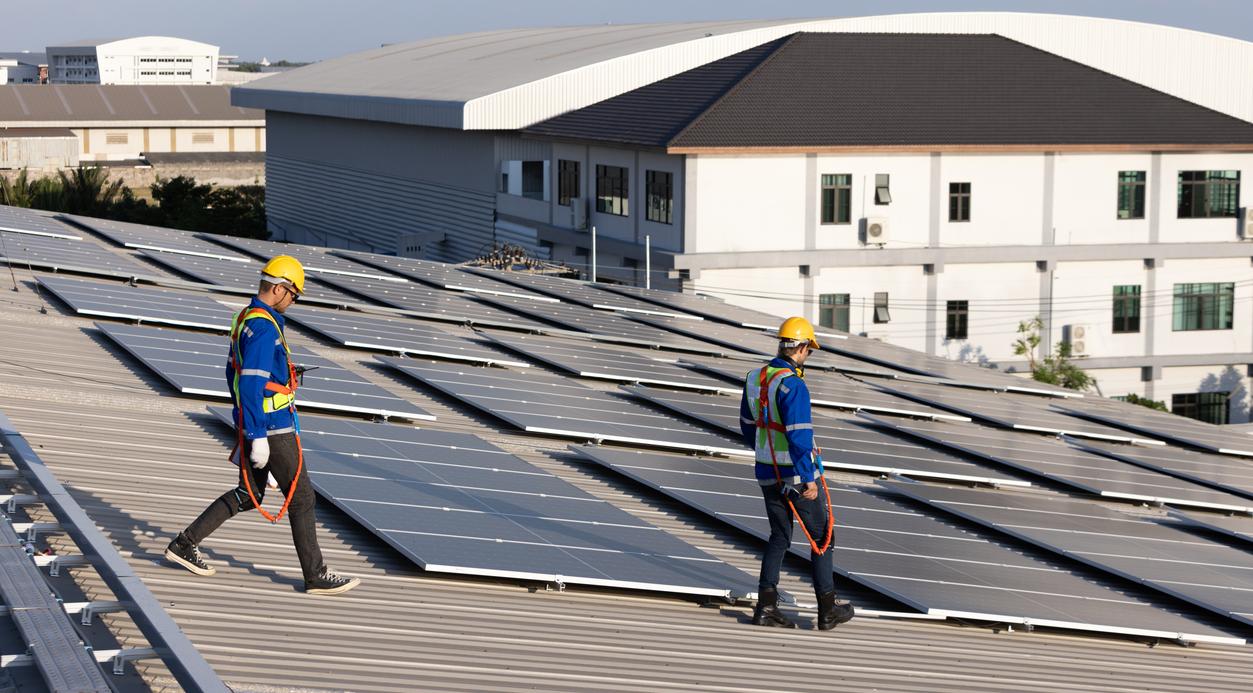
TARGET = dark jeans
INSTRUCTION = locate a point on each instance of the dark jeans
(284, 451)
(814, 514)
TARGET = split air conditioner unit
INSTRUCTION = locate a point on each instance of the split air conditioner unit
(877, 231)
(1246, 223)
(1077, 336)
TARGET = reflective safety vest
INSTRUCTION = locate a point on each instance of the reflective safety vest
(281, 396)
(771, 445)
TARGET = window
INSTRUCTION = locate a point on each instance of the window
(959, 201)
(957, 319)
(833, 311)
(1208, 194)
(1131, 194)
(659, 187)
(1210, 407)
(1126, 309)
(881, 307)
(1203, 306)
(567, 181)
(837, 198)
(533, 179)
(527, 179)
(612, 190)
(882, 189)
(202, 138)
(116, 138)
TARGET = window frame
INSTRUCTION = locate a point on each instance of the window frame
(957, 320)
(882, 189)
(659, 196)
(1208, 187)
(1203, 306)
(568, 176)
(1132, 187)
(882, 315)
(1210, 407)
(1126, 302)
(836, 198)
(607, 201)
(959, 202)
(834, 309)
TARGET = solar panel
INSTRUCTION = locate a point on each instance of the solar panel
(66, 255)
(588, 359)
(238, 277)
(1179, 563)
(1008, 410)
(1162, 425)
(543, 403)
(705, 306)
(1066, 464)
(314, 259)
(581, 293)
(1226, 472)
(847, 443)
(740, 341)
(399, 336)
(1236, 526)
(931, 564)
(422, 301)
(195, 364)
(454, 503)
(139, 303)
(155, 238)
(30, 222)
(828, 389)
(608, 326)
(442, 275)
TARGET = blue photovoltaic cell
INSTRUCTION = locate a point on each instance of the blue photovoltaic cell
(442, 275)
(239, 277)
(142, 304)
(315, 260)
(582, 293)
(1225, 472)
(454, 503)
(422, 301)
(83, 256)
(932, 565)
(1161, 425)
(155, 238)
(195, 364)
(31, 222)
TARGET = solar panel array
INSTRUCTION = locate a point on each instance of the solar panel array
(1173, 561)
(1228, 473)
(422, 301)
(847, 444)
(454, 503)
(82, 256)
(442, 276)
(315, 260)
(195, 364)
(238, 277)
(141, 304)
(542, 403)
(30, 222)
(399, 335)
(1164, 426)
(155, 238)
(1070, 465)
(582, 293)
(696, 304)
(930, 564)
(1235, 526)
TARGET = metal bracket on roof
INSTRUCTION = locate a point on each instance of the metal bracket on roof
(55, 563)
(119, 658)
(86, 610)
(560, 583)
(33, 529)
(13, 500)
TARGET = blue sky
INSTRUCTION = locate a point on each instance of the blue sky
(317, 29)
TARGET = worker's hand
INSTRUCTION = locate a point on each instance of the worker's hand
(811, 491)
(259, 453)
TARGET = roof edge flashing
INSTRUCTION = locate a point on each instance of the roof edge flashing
(386, 109)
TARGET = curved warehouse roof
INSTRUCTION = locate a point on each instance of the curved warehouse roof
(514, 78)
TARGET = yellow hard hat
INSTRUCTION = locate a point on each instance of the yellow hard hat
(286, 267)
(798, 330)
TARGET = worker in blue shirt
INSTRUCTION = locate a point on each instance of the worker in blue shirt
(776, 421)
(263, 383)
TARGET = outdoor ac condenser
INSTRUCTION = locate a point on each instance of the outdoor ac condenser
(877, 230)
(1246, 223)
(1078, 338)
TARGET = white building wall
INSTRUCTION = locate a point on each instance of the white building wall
(1000, 296)
(1083, 295)
(13, 72)
(140, 60)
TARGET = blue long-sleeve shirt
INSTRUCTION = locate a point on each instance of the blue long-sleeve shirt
(264, 360)
(797, 417)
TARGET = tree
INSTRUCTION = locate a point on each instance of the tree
(19, 192)
(1054, 368)
(1145, 402)
(88, 191)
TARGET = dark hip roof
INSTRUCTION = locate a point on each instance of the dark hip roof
(895, 90)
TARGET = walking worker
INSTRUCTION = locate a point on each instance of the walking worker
(776, 422)
(263, 383)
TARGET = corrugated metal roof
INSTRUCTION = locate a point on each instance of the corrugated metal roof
(84, 105)
(143, 462)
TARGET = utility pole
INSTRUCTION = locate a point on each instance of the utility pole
(593, 254)
(648, 262)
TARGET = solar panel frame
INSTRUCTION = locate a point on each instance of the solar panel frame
(1238, 527)
(194, 363)
(240, 278)
(707, 307)
(892, 548)
(422, 301)
(1067, 464)
(1140, 544)
(318, 261)
(1167, 426)
(1228, 473)
(542, 403)
(155, 238)
(848, 445)
(398, 335)
(30, 222)
(442, 275)
(82, 256)
(582, 293)
(438, 485)
(142, 304)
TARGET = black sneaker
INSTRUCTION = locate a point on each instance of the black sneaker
(329, 583)
(188, 555)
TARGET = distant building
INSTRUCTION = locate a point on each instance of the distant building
(139, 60)
(21, 68)
(116, 123)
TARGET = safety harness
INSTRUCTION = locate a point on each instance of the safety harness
(765, 421)
(282, 396)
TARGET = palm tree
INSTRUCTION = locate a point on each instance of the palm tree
(18, 192)
(88, 190)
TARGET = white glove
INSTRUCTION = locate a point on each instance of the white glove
(259, 453)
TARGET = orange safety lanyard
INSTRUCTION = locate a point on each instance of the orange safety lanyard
(763, 421)
(288, 389)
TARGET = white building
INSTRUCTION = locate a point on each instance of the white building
(930, 189)
(139, 60)
(20, 68)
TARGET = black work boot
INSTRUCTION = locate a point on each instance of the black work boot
(187, 554)
(329, 583)
(767, 612)
(831, 614)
